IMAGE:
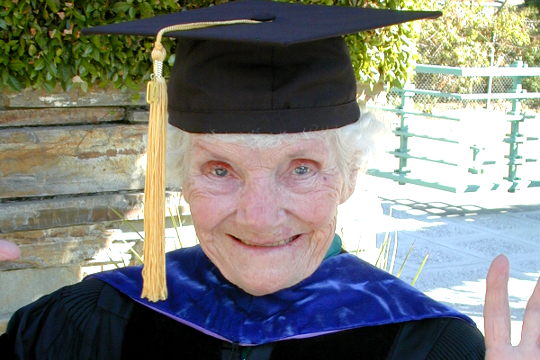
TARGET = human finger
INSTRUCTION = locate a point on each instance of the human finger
(9, 251)
(530, 334)
(497, 308)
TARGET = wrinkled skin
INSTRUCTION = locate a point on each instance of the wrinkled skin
(265, 217)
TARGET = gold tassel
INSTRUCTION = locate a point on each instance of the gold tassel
(154, 275)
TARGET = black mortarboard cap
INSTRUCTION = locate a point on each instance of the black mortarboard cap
(288, 72)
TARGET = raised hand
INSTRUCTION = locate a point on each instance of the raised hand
(497, 318)
(9, 251)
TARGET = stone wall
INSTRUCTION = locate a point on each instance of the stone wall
(66, 160)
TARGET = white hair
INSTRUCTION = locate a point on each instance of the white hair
(354, 146)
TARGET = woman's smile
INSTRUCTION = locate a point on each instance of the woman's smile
(265, 243)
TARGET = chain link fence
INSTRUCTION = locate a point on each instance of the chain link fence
(460, 85)
(432, 52)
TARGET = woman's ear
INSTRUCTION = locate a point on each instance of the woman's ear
(185, 191)
(349, 190)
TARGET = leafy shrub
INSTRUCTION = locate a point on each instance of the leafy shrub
(41, 45)
(472, 35)
(531, 54)
(469, 32)
(385, 55)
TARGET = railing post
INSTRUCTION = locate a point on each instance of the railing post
(407, 102)
(490, 80)
(514, 138)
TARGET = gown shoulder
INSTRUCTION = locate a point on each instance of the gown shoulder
(83, 321)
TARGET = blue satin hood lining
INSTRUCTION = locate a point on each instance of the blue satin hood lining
(343, 293)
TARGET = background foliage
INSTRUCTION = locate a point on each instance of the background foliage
(468, 33)
(41, 45)
(384, 55)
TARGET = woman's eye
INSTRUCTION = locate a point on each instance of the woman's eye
(221, 172)
(301, 170)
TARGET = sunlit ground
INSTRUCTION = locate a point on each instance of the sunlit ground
(471, 294)
(462, 233)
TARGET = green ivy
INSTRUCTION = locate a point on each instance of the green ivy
(41, 45)
(384, 55)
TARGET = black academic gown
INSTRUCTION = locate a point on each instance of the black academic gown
(94, 320)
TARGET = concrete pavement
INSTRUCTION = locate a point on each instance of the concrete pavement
(462, 233)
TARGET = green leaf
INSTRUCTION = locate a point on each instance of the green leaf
(146, 10)
(95, 55)
(14, 83)
(3, 24)
(121, 6)
(16, 65)
(135, 97)
(32, 50)
(88, 50)
(48, 87)
(39, 64)
(53, 5)
(5, 76)
(82, 71)
(170, 62)
(51, 66)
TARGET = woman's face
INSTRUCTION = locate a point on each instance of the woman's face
(265, 218)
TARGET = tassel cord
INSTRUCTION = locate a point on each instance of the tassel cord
(154, 274)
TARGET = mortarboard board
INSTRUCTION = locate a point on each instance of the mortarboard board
(247, 67)
(288, 73)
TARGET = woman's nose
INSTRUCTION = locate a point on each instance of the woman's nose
(262, 204)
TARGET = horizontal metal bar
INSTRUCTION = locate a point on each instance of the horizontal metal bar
(413, 112)
(484, 96)
(505, 117)
(423, 158)
(410, 134)
(486, 71)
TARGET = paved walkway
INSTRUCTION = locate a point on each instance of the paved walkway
(462, 234)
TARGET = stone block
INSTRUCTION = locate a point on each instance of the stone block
(32, 98)
(58, 246)
(138, 116)
(71, 211)
(60, 116)
(4, 319)
(68, 211)
(21, 287)
(50, 161)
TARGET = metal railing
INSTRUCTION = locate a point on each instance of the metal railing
(471, 137)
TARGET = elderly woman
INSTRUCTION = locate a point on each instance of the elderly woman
(267, 142)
